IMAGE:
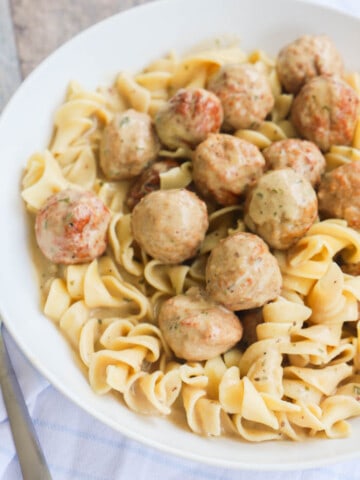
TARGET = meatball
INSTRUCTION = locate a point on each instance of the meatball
(281, 208)
(128, 145)
(170, 224)
(241, 273)
(325, 111)
(302, 156)
(339, 194)
(148, 181)
(245, 94)
(305, 58)
(225, 166)
(197, 328)
(188, 117)
(72, 227)
(351, 269)
(250, 319)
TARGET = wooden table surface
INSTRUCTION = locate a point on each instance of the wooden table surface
(31, 29)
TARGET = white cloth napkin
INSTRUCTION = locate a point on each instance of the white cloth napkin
(79, 447)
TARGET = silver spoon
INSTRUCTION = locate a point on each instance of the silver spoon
(31, 458)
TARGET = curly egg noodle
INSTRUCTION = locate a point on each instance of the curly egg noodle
(301, 376)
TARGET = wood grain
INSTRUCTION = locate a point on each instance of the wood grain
(9, 66)
(42, 25)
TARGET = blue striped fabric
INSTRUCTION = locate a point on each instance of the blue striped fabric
(79, 447)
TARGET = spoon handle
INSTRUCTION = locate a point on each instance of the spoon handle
(31, 458)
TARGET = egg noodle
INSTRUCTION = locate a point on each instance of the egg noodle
(301, 376)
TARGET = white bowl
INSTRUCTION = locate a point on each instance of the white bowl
(129, 41)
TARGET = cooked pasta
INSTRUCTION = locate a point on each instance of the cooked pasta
(299, 378)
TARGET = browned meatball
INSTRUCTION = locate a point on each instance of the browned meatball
(245, 94)
(188, 117)
(241, 273)
(325, 111)
(225, 166)
(305, 58)
(72, 226)
(250, 319)
(128, 145)
(170, 224)
(302, 156)
(351, 269)
(197, 328)
(281, 208)
(148, 181)
(339, 194)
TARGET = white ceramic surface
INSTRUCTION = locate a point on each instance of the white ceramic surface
(129, 41)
